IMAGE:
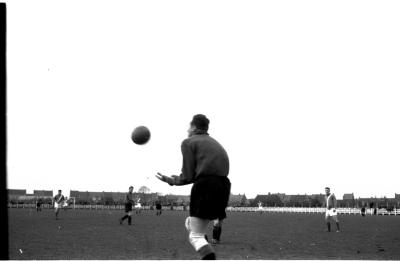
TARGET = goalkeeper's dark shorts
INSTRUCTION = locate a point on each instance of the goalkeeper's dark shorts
(128, 207)
(209, 197)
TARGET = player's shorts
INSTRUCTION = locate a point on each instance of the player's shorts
(128, 207)
(57, 205)
(158, 206)
(331, 213)
(209, 197)
(138, 205)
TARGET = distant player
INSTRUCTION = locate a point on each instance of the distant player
(206, 165)
(217, 230)
(39, 205)
(58, 202)
(158, 208)
(363, 211)
(65, 204)
(331, 213)
(260, 207)
(128, 207)
(138, 206)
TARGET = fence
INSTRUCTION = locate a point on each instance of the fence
(277, 209)
(342, 211)
(90, 207)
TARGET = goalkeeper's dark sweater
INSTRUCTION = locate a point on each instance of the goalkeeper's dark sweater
(202, 156)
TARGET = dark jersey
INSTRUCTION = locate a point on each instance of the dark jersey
(202, 156)
(128, 202)
(129, 199)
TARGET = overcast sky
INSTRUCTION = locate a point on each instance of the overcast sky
(302, 94)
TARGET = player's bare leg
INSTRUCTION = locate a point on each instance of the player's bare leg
(217, 230)
(56, 212)
(121, 220)
(337, 223)
(328, 224)
(197, 229)
(127, 216)
(129, 219)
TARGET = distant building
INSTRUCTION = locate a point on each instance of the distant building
(177, 200)
(397, 200)
(285, 199)
(110, 198)
(17, 192)
(269, 200)
(46, 196)
(259, 198)
(367, 202)
(348, 196)
(43, 193)
(299, 201)
(237, 200)
(90, 197)
(317, 200)
(14, 195)
(348, 201)
(148, 199)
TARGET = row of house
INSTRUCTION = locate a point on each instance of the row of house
(317, 200)
(20, 195)
(240, 200)
(111, 198)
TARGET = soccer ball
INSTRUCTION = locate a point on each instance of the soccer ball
(140, 135)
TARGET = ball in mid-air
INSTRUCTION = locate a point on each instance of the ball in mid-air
(140, 135)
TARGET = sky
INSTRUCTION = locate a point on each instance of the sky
(301, 94)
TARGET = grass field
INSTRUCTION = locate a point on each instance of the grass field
(96, 234)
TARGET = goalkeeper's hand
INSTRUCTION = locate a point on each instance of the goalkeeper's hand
(165, 178)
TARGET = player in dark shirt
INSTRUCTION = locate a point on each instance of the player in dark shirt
(128, 207)
(363, 211)
(158, 208)
(39, 205)
(206, 165)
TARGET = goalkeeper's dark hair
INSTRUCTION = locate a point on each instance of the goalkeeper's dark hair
(200, 121)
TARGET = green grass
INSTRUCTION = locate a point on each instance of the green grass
(96, 234)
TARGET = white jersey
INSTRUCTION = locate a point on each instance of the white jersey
(332, 211)
(58, 201)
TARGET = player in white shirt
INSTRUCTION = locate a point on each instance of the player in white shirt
(65, 203)
(331, 213)
(138, 206)
(58, 202)
(260, 207)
